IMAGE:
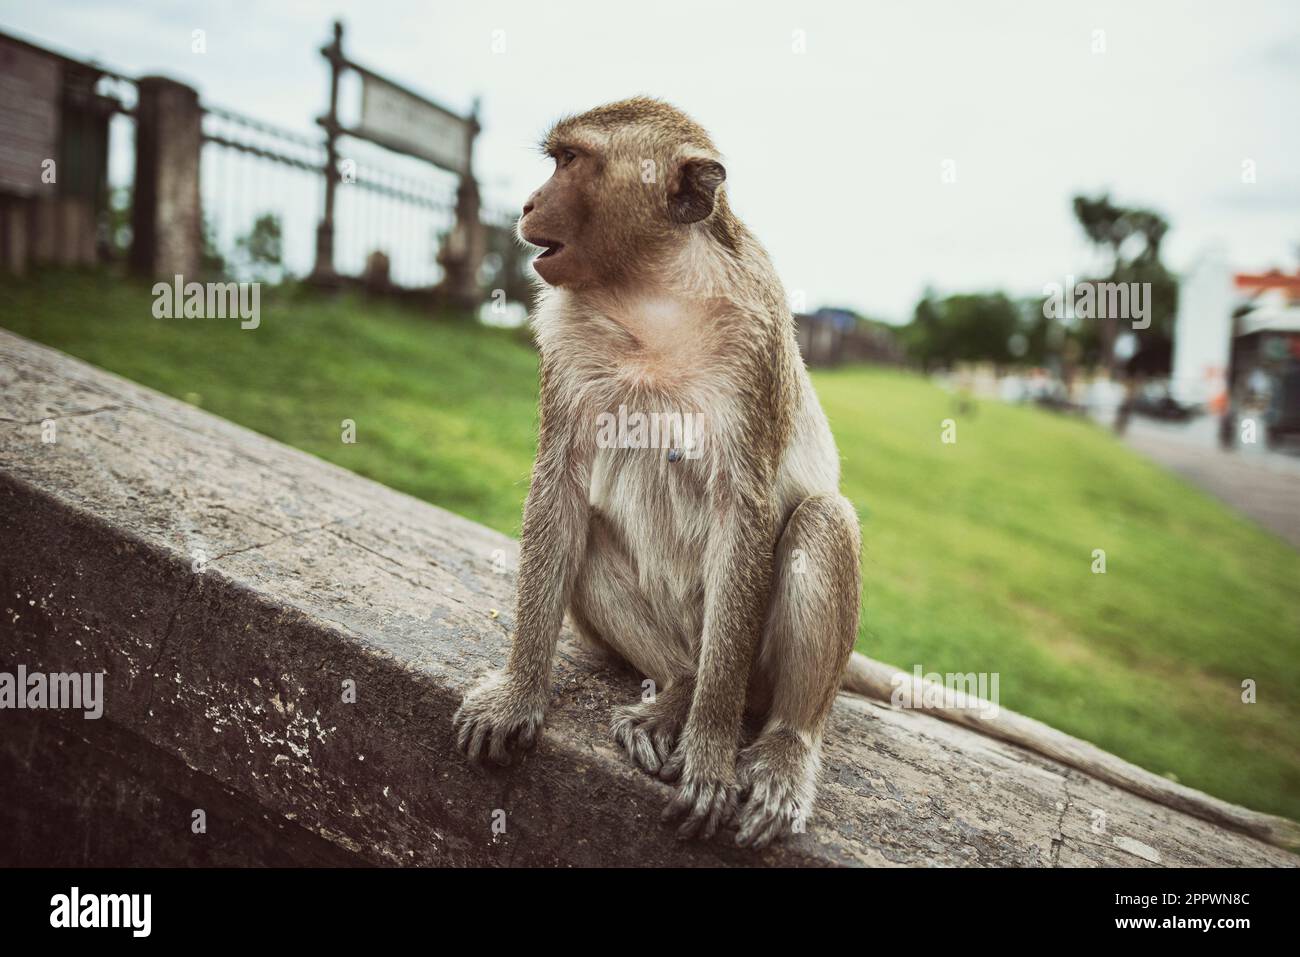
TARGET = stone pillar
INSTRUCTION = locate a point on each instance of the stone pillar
(464, 248)
(15, 234)
(166, 215)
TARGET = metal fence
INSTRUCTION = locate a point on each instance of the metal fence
(261, 192)
(248, 170)
(385, 202)
(252, 170)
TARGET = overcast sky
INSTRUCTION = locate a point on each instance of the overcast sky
(836, 155)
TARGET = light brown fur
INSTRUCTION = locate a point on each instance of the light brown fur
(729, 579)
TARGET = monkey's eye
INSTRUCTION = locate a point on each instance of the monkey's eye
(565, 157)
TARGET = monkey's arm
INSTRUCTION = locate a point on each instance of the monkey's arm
(554, 540)
(738, 577)
(506, 710)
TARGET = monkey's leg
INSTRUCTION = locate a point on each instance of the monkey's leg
(811, 627)
(610, 612)
(737, 580)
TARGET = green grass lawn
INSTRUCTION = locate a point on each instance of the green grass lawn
(977, 555)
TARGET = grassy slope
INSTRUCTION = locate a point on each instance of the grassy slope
(978, 555)
(444, 410)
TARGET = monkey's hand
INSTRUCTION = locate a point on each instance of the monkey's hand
(707, 790)
(498, 717)
(649, 731)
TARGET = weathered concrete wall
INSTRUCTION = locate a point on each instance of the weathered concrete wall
(230, 586)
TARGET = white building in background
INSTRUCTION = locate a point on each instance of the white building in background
(1203, 330)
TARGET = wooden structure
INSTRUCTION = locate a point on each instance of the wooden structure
(53, 157)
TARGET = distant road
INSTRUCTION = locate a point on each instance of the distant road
(1259, 483)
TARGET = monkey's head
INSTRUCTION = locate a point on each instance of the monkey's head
(632, 180)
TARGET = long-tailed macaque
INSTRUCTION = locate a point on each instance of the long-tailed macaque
(684, 504)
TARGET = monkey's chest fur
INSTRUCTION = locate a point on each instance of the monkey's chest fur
(665, 425)
(652, 419)
(641, 587)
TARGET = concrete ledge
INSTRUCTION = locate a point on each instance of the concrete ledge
(223, 686)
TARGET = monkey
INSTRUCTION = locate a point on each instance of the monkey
(726, 568)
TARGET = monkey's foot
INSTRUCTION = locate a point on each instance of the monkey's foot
(778, 779)
(497, 718)
(705, 801)
(648, 731)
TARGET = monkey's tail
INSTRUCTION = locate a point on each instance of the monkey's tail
(881, 682)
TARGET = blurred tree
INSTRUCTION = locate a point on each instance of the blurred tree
(262, 250)
(980, 327)
(1132, 237)
(969, 327)
(1043, 336)
(921, 337)
(212, 263)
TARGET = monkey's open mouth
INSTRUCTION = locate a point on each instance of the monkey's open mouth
(549, 247)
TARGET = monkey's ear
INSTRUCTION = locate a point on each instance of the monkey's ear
(695, 190)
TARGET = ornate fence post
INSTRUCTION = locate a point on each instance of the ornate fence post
(323, 271)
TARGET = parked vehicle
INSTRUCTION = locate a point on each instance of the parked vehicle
(1155, 402)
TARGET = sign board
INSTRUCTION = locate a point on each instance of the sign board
(398, 119)
(29, 115)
